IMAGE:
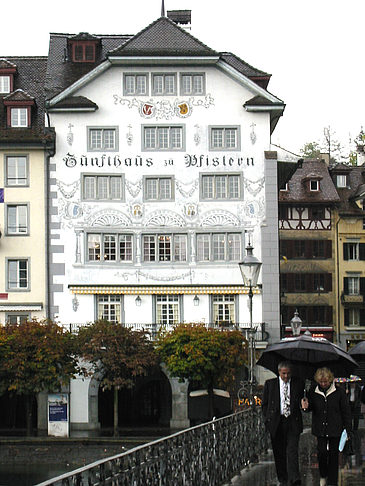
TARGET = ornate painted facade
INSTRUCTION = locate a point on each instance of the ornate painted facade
(163, 167)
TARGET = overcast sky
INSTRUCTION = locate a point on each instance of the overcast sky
(314, 49)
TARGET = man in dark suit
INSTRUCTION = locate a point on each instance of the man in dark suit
(281, 407)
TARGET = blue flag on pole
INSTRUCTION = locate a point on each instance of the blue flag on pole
(1, 195)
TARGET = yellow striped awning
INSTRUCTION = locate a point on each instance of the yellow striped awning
(160, 289)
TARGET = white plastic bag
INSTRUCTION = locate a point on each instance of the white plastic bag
(343, 440)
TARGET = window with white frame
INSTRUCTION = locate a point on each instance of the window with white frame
(164, 84)
(106, 187)
(135, 84)
(16, 170)
(17, 219)
(223, 309)
(163, 137)
(353, 285)
(109, 308)
(17, 274)
(285, 188)
(354, 317)
(224, 138)
(167, 310)
(351, 251)
(109, 247)
(16, 318)
(314, 185)
(219, 247)
(102, 138)
(221, 186)
(341, 181)
(4, 84)
(158, 188)
(165, 248)
(192, 84)
(19, 117)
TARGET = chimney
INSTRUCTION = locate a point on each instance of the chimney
(325, 157)
(181, 17)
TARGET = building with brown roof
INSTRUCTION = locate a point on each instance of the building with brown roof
(25, 148)
(307, 224)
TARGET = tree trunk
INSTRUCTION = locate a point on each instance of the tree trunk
(115, 421)
(29, 414)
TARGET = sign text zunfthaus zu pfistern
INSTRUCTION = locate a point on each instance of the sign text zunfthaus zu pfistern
(117, 160)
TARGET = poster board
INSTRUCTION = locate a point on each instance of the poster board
(58, 414)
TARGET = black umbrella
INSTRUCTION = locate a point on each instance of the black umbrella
(358, 351)
(307, 353)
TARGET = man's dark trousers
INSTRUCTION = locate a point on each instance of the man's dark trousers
(285, 445)
(284, 432)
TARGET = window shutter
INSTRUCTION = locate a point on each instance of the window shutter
(362, 251)
(329, 315)
(346, 285)
(289, 248)
(345, 251)
(362, 286)
(308, 250)
(328, 282)
(328, 249)
(346, 315)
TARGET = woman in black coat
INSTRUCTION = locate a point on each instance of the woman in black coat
(330, 415)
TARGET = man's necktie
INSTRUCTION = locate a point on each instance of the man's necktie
(286, 409)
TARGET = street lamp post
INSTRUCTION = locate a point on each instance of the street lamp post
(250, 269)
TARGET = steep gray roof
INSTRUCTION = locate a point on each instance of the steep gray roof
(164, 38)
(28, 85)
(61, 72)
(260, 77)
(355, 188)
(299, 193)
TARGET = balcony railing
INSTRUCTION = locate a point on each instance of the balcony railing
(209, 454)
(351, 299)
(153, 329)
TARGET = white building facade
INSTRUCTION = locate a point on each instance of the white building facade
(162, 171)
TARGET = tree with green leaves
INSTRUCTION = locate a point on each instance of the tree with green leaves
(35, 356)
(328, 145)
(119, 354)
(207, 357)
(311, 150)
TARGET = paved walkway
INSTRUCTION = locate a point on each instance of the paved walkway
(352, 468)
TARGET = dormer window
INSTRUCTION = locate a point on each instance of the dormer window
(82, 52)
(341, 181)
(4, 84)
(18, 105)
(314, 185)
(18, 117)
(82, 47)
(7, 73)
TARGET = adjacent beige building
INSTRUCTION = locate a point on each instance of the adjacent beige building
(24, 150)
